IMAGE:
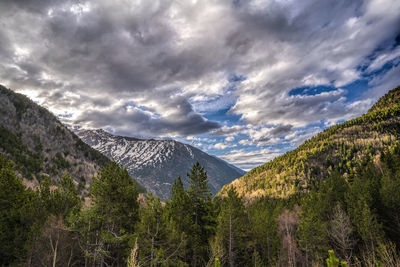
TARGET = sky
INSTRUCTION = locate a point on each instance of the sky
(245, 80)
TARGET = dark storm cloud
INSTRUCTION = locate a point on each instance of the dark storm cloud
(95, 57)
(281, 130)
(130, 120)
(37, 6)
(106, 52)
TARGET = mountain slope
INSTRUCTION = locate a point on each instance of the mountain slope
(41, 146)
(157, 163)
(340, 148)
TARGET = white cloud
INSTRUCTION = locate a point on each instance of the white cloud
(246, 142)
(250, 159)
(229, 139)
(383, 58)
(220, 146)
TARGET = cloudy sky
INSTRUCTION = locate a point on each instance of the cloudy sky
(245, 80)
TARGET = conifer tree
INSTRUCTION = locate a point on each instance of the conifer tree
(264, 229)
(178, 216)
(65, 200)
(231, 232)
(316, 212)
(361, 199)
(151, 233)
(18, 217)
(107, 227)
(178, 207)
(202, 218)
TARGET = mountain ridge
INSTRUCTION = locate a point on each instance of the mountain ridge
(42, 147)
(339, 148)
(157, 163)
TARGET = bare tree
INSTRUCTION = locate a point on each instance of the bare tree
(288, 221)
(57, 246)
(341, 233)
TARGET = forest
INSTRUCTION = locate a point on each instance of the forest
(339, 148)
(342, 221)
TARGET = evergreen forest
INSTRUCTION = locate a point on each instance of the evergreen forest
(340, 222)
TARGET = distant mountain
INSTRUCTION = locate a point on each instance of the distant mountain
(41, 146)
(157, 163)
(340, 148)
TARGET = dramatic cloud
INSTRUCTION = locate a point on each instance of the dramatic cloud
(263, 73)
(179, 120)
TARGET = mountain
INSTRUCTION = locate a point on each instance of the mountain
(157, 163)
(340, 148)
(41, 146)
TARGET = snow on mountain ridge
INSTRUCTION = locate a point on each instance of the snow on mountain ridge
(139, 153)
(157, 163)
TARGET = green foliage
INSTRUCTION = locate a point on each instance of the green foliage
(362, 199)
(152, 232)
(108, 226)
(91, 153)
(332, 261)
(191, 219)
(316, 209)
(192, 225)
(256, 259)
(217, 263)
(114, 196)
(264, 229)
(60, 161)
(230, 234)
(388, 100)
(202, 217)
(178, 207)
(65, 200)
(389, 192)
(13, 196)
(27, 161)
(19, 215)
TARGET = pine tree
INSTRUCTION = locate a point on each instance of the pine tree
(202, 217)
(178, 206)
(65, 200)
(361, 200)
(315, 215)
(179, 222)
(264, 229)
(107, 227)
(18, 217)
(230, 231)
(151, 233)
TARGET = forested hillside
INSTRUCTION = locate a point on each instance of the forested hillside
(340, 148)
(41, 146)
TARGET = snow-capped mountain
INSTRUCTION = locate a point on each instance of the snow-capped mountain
(157, 163)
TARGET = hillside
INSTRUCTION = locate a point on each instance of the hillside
(41, 146)
(157, 163)
(340, 148)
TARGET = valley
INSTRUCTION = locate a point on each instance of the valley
(334, 198)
